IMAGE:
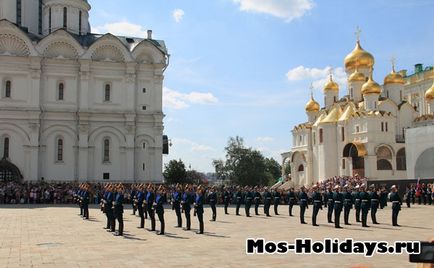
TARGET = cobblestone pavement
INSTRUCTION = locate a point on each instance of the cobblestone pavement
(55, 236)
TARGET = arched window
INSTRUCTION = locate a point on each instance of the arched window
(79, 22)
(60, 91)
(401, 161)
(6, 148)
(107, 92)
(49, 20)
(106, 149)
(300, 168)
(321, 135)
(59, 150)
(384, 156)
(65, 17)
(8, 89)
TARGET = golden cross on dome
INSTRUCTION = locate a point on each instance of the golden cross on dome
(357, 33)
(331, 72)
(393, 61)
(311, 90)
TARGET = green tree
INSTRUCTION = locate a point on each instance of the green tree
(174, 172)
(245, 166)
(274, 170)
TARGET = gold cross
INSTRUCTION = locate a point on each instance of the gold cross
(311, 90)
(393, 61)
(357, 33)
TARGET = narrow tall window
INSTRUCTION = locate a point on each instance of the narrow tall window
(6, 148)
(106, 150)
(343, 133)
(386, 127)
(107, 90)
(8, 86)
(60, 92)
(40, 17)
(321, 135)
(382, 126)
(19, 9)
(65, 17)
(79, 22)
(49, 20)
(343, 163)
(59, 150)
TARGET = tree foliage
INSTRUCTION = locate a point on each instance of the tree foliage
(246, 166)
(175, 172)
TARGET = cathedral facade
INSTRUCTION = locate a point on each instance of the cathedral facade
(76, 105)
(363, 132)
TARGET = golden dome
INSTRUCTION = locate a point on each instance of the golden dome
(429, 94)
(394, 78)
(357, 76)
(312, 105)
(331, 85)
(371, 87)
(359, 57)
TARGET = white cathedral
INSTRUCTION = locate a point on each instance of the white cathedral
(76, 105)
(380, 132)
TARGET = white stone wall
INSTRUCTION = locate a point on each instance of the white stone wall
(418, 141)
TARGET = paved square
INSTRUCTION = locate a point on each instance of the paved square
(55, 236)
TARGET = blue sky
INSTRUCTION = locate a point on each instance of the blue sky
(243, 67)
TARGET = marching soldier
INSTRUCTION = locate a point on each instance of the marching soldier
(186, 205)
(276, 197)
(317, 204)
(374, 198)
(330, 204)
(226, 199)
(248, 201)
(158, 207)
(396, 205)
(413, 194)
(212, 200)
(198, 207)
(365, 205)
(357, 202)
(383, 197)
(108, 208)
(238, 198)
(132, 197)
(139, 200)
(338, 200)
(176, 204)
(150, 197)
(118, 209)
(267, 202)
(348, 205)
(257, 197)
(85, 201)
(291, 200)
(303, 204)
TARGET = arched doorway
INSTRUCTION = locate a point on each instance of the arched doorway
(8, 171)
(384, 158)
(424, 167)
(356, 151)
(298, 173)
(401, 160)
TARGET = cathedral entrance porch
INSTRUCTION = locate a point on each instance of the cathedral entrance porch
(356, 151)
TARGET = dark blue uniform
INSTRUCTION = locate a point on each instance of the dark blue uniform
(108, 209)
(133, 204)
(186, 207)
(85, 204)
(159, 209)
(212, 200)
(396, 207)
(118, 212)
(238, 197)
(330, 206)
(176, 205)
(365, 206)
(226, 200)
(291, 201)
(267, 203)
(257, 198)
(317, 205)
(303, 206)
(357, 204)
(248, 202)
(150, 198)
(276, 197)
(198, 206)
(348, 205)
(373, 196)
(140, 197)
(338, 202)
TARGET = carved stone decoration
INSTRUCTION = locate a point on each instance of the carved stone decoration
(108, 53)
(13, 45)
(61, 50)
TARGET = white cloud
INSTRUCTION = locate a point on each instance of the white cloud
(317, 76)
(178, 15)
(287, 10)
(264, 139)
(194, 146)
(177, 100)
(123, 28)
